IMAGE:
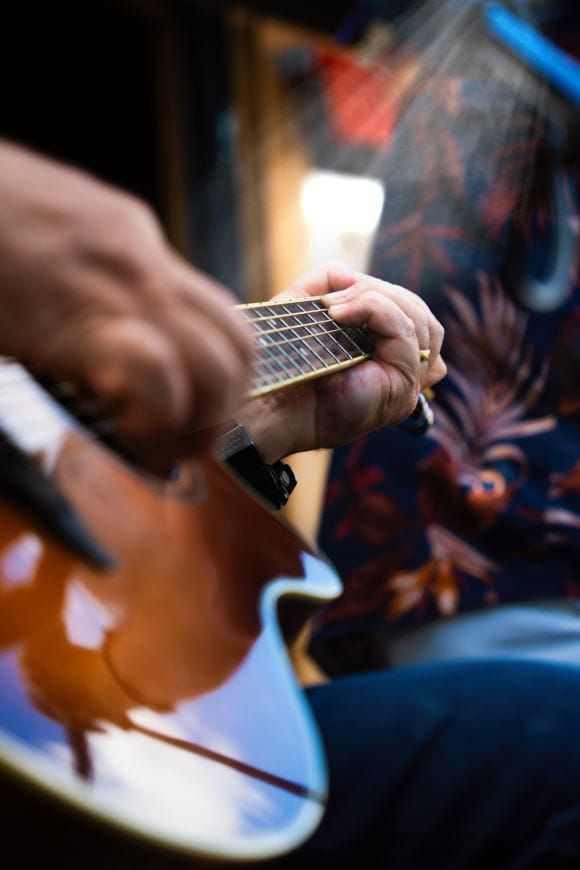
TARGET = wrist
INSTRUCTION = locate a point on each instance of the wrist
(271, 426)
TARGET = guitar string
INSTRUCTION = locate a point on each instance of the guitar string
(327, 327)
(269, 317)
(297, 338)
(322, 311)
(97, 427)
(301, 345)
(292, 327)
(278, 371)
(261, 331)
(87, 405)
(273, 371)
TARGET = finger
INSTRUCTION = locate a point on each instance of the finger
(136, 370)
(377, 312)
(429, 331)
(437, 372)
(324, 279)
(213, 363)
(200, 294)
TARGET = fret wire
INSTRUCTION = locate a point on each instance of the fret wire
(294, 362)
(330, 322)
(261, 362)
(310, 330)
(348, 335)
(282, 316)
(318, 310)
(303, 351)
(267, 364)
(301, 338)
(282, 362)
(271, 379)
(315, 301)
(261, 331)
(353, 342)
(259, 390)
(285, 336)
(350, 339)
(312, 350)
(328, 349)
(301, 361)
(317, 335)
(331, 332)
(304, 348)
(282, 368)
(268, 378)
(338, 344)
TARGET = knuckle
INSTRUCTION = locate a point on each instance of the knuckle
(436, 326)
(409, 327)
(389, 287)
(209, 286)
(136, 212)
(132, 232)
(372, 299)
(424, 330)
(422, 305)
(229, 370)
(365, 287)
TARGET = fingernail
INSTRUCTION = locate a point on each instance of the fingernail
(337, 296)
(337, 309)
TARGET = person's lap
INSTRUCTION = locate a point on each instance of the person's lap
(441, 766)
(451, 766)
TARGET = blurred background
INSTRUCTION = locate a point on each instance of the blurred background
(271, 136)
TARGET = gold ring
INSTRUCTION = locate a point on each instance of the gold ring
(424, 355)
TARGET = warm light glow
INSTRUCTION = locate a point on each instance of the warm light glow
(335, 202)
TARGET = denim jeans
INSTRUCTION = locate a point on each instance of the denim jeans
(454, 766)
(462, 766)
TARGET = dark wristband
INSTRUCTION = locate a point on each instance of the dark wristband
(238, 451)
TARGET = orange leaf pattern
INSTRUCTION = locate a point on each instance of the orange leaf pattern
(486, 508)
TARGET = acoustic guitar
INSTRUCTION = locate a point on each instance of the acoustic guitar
(144, 678)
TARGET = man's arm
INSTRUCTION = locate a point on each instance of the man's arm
(380, 392)
(90, 291)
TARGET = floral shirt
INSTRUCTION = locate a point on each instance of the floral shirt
(484, 509)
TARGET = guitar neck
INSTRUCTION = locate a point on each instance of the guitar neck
(298, 341)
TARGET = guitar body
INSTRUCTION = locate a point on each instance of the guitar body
(157, 697)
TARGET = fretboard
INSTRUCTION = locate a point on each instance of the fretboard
(298, 341)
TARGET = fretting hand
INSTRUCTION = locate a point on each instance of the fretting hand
(380, 392)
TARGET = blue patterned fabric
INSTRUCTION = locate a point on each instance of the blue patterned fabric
(486, 509)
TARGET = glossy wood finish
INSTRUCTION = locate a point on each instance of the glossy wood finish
(158, 696)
